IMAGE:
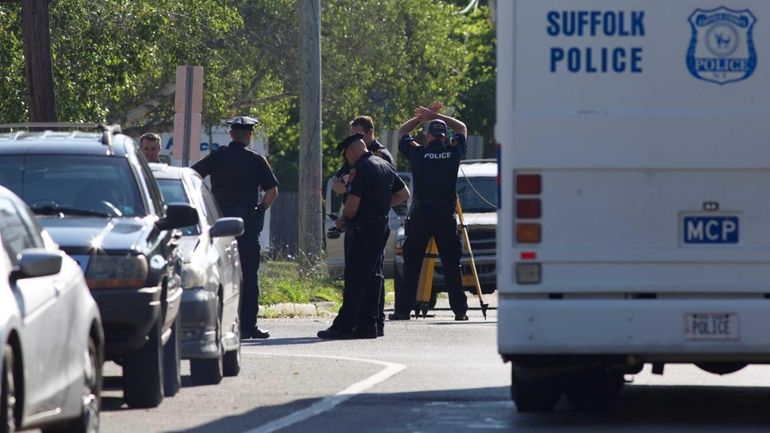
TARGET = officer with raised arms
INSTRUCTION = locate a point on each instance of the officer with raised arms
(237, 174)
(434, 172)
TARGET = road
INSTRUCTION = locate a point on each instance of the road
(432, 375)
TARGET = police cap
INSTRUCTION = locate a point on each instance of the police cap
(343, 145)
(242, 123)
(437, 128)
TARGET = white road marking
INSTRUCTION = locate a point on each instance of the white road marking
(328, 403)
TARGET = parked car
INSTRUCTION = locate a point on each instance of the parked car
(211, 277)
(477, 190)
(97, 198)
(50, 331)
(335, 251)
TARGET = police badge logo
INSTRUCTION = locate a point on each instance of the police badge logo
(722, 46)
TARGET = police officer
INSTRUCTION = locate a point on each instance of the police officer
(373, 188)
(434, 171)
(237, 174)
(365, 125)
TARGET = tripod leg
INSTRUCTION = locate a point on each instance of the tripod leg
(425, 284)
(474, 272)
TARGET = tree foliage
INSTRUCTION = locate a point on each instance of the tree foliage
(116, 60)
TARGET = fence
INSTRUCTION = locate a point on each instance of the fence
(284, 215)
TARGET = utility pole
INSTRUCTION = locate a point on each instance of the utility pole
(37, 59)
(310, 222)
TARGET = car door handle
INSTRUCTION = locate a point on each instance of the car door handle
(58, 288)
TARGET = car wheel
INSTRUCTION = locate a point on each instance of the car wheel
(208, 371)
(232, 362)
(595, 391)
(8, 394)
(533, 393)
(88, 421)
(143, 372)
(172, 358)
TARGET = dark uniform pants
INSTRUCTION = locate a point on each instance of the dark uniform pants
(363, 277)
(440, 224)
(249, 250)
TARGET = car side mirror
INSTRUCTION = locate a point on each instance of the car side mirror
(178, 215)
(226, 227)
(37, 262)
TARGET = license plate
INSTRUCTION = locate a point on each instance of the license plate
(711, 230)
(711, 326)
(469, 281)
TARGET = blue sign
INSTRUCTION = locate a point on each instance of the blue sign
(722, 45)
(710, 230)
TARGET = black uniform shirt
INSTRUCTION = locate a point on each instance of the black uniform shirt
(377, 149)
(374, 181)
(236, 174)
(434, 169)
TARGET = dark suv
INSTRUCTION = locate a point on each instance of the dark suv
(96, 196)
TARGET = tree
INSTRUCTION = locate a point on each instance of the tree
(115, 60)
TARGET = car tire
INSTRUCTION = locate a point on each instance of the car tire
(533, 393)
(8, 400)
(172, 358)
(88, 421)
(231, 364)
(208, 371)
(595, 390)
(143, 372)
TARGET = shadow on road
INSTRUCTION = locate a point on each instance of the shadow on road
(639, 408)
(288, 341)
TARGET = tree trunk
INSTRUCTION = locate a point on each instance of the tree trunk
(37, 55)
(310, 213)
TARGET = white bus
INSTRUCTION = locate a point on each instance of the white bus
(635, 191)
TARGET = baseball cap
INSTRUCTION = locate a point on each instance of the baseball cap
(348, 141)
(437, 127)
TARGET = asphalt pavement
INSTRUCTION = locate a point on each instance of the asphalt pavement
(427, 375)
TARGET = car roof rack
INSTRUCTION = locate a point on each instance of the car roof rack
(107, 130)
(477, 161)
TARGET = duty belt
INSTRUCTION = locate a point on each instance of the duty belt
(428, 201)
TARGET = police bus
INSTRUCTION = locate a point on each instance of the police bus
(634, 221)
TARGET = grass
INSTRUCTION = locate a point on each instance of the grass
(279, 282)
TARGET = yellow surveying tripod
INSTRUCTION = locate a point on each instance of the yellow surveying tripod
(425, 283)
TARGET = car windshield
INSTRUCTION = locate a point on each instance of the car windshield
(173, 192)
(79, 185)
(477, 194)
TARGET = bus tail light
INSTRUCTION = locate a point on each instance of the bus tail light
(528, 273)
(529, 184)
(528, 208)
(528, 233)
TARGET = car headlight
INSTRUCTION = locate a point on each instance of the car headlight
(113, 272)
(193, 276)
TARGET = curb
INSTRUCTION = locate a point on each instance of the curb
(322, 309)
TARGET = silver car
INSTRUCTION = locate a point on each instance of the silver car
(50, 331)
(211, 277)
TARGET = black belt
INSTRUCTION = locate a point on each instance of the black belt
(371, 219)
(428, 201)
